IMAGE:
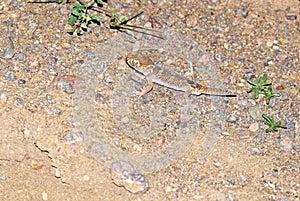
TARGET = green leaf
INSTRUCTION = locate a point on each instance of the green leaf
(72, 20)
(123, 19)
(70, 31)
(113, 17)
(84, 26)
(77, 13)
(95, 18)
(78, 6)
(100, 2)
(89, 4)
(273, 126)
(87, 19)
(267, 118)
(260, 87)
(269, 94)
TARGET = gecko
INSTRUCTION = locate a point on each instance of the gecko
(156, 72)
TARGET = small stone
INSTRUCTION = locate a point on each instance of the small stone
(191, 21)
(217, 164)
(49, 100)
(296, 148)
(35, 67)
(19, 102)
(232, 181)
(169, 189)
(255, 112)
(232, 118)
(269, 43)
(6, 47)
(21, 81)
(36, 165)
(241, 12)
(3, 97)
(44, 196)
(9, 75)
(137, 147)
(72, 137)
(65, 86)
(57, 173)
(255, 151)
(4, 177)
(291, 125)
(86, 177)
(53, 71)
(125, 120)
(8, 53)
(254, 127)
(291, 17)
(99, 98)
(243, 178)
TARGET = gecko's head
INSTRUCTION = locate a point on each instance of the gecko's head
(139, 62)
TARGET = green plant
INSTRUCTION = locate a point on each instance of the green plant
(80, 18)
(261, 86)
(273, 126)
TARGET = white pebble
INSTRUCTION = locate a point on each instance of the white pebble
(44, 196)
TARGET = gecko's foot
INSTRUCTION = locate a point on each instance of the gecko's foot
(146, 90)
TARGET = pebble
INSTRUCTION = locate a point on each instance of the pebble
(255, 112)
(3, 97)
(49, 100)
(64, 86)
(9, 75)
(72, 137)
(53, 71)
(232, 118)
(35, 67)
(254, 127)
(255, 151)
(44, 196)
(99, 98)
(21, 81)
(55, 111)
(86, 178)
(19, 102)
(191, 21)
(291, 125)
(125, 175)
(241, 12)
(6, 47)
(291, 17)
(8, 53)
(296, 148)
(4, 177)
(57, 173)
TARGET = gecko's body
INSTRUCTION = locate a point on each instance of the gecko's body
(156, 72)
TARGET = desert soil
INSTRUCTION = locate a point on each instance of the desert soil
(43, 154)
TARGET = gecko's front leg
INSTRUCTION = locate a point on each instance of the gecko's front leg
(148, 87)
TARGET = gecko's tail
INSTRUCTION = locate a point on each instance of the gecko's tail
(211, 91)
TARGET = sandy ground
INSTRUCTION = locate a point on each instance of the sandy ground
(44, 156)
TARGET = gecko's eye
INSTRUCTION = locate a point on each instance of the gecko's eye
(133, 62)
